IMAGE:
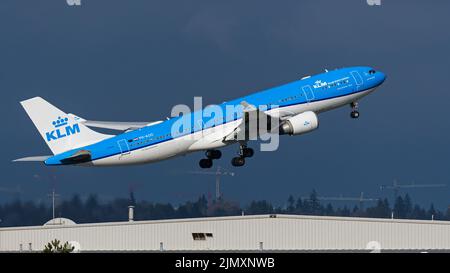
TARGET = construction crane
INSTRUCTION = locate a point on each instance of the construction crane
(396, 187)
(359, 199)
(218, 173)
(53, 195)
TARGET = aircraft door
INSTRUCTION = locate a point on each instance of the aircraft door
(123, 146)
(358, 79)
(308, 92)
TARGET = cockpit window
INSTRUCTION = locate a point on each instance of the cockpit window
(371, 72)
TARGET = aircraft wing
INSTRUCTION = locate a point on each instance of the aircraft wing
(118, 125)
(231, 131)
(115, 125)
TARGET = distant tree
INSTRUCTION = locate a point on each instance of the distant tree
(291, 204)
(399, 208)
(74, 209)
(314, 204)
(356, 211)
(117, 210)
(18, 213)
(299, 206)
(162, 211)
(343, 212)
(408, 206)
(223, 208)
(260, 207)
(279, 210)
(201, 206)
(329, 211)
(386, 208)
(132, 198)
(431, 212)
(418, 213)
(92, 209)
(447, 214)
(193, 209)
(381, 210)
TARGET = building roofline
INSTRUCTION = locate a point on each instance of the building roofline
(235, 218)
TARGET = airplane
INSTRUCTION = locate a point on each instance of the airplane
(294, 106)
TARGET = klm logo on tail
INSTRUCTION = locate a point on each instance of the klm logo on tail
(62, 129)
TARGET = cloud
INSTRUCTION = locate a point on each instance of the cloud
(216, 24)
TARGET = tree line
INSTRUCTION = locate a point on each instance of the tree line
(91, 210)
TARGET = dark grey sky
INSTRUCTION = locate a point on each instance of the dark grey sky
(133, 60)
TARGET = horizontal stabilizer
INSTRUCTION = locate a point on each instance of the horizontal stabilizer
(40, 158)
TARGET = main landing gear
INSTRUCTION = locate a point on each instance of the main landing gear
(354, 113)
(207, 162)
(243, 153)
(238, 161)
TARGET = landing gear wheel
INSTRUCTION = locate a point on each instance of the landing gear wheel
(247, 152)
(238, 161)
(205, 163)
(213, 154)
(354, 114)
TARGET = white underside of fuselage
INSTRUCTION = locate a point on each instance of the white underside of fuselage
(209, 139)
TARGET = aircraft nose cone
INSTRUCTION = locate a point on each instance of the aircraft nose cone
(381, 77)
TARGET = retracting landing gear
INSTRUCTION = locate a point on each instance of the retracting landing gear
(243, 153)
(246, 152)
(355, 112)
(207, 162)
(238, 161)
(213, 154)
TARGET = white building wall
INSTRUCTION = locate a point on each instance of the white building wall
(283, 232)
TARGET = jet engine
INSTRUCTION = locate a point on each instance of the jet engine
(299, 124)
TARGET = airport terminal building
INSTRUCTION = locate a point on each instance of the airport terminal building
(236, 233)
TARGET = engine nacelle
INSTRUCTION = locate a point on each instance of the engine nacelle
(300, 124)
